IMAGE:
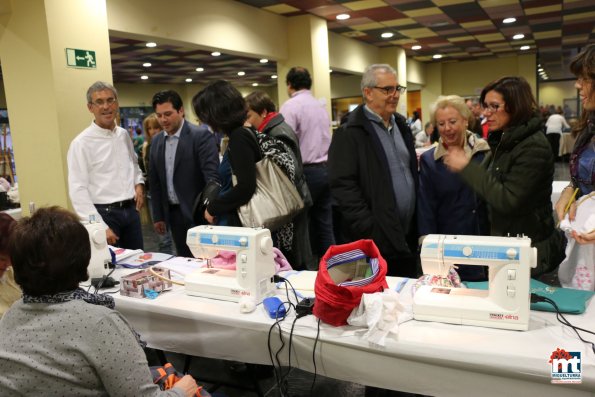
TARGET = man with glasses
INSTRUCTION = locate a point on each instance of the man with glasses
(373, 173)
(104, 179)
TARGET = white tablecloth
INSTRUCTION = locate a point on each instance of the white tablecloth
(429, 358)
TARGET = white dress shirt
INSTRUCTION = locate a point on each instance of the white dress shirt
(556, 123)
(102, 169)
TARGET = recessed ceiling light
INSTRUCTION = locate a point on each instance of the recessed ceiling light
(509, 20)
(342, 17)
(254, 84)
(437, 56)
(525, 48)
(387, 35)
(274, 76)
(518, 36)
(416, 47)
(200, 69)
(144, 77)
(215, 53)
(241, 73)
(151, 44)
(264, 60)
(147, 64)
(540, 69)
(330, 70)
(188, 80)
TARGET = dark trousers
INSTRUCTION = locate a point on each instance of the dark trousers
(179, 226)
(125, 223)
(554, 139)
(320, 214)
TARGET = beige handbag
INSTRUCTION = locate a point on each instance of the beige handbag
(276, 200)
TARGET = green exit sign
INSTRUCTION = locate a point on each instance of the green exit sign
(81, 58)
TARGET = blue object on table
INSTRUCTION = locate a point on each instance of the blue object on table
(274, 307)
(151, 294)
(569, 300)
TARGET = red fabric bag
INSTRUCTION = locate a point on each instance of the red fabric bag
(334, 303)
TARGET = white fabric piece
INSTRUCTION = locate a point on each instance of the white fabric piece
(4, 185)
(381, 313)
(247, 304)
(577, 270)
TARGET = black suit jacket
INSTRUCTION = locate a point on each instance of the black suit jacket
(196, 163)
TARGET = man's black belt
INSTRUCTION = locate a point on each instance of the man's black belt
(117, 204)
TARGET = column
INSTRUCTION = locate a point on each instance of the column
(395, 56)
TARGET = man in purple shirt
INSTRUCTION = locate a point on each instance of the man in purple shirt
(310, 121)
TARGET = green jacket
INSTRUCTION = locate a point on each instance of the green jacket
(515, 179)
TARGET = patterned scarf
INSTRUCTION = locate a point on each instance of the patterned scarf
(79, 294)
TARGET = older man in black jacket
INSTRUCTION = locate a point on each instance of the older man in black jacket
(373, 173)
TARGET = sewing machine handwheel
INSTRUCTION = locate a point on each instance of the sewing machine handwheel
(266, 245)
(98, 236)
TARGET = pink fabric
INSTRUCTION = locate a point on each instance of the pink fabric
(227, 260)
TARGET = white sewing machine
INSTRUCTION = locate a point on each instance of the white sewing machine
(255, 266)
(506, 302)
(100, 255)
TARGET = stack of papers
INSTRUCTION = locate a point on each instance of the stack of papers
(143, 260)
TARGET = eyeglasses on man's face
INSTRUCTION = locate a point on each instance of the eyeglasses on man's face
(490, 107)
(391, 90)
(101, 102)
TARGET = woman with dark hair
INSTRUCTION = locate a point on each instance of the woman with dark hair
(262, 115)
(516, 178)
(58, 339)
(223, 108)
(582, 159)
(9, 290)
(416, 126)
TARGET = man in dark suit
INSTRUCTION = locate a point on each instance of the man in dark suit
(183, 159)
(373, 173)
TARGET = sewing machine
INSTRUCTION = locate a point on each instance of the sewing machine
(506, 302)
(255, 266)
(100, 255)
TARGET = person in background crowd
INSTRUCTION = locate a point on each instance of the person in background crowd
(183, 159)
(416, 125)
(445, 204)
(373, 173)
(308, 117)
(555, 124)
(9, 290)
(582, 159)
(475, 123)
(152, 127)
(222, 107)
(104, 178)
(59, 339)
(422, 139)
(516, 180)
(262, 115)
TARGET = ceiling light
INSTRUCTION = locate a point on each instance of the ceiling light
(200, 69)
(274, 76)
(416, 47)
(437, 56)
(387, 35)
(144, 77)
(151, 44)
(540, 69)
(509, 20)
(254, 84)
(241, 73)
(215, 53)
(330, 70)
(264, 60)
(525, 48)
(147, 64)
(342, 17)
(518, 36)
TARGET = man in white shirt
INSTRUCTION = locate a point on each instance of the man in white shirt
(104, 179)
(555, 125)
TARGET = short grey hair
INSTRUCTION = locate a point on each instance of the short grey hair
(100, 86)
(369, 77)
(455, 102)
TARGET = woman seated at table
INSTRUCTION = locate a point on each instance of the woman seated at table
(516, 178)
(445, 204)
(9, 290)
(59, 339)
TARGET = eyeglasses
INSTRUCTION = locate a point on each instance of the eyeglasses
(390, 90)
(101, 102)
(492, 107)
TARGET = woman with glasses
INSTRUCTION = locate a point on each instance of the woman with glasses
(516, 178)
(445, 204)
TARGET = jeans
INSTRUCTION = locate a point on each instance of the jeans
(125, 223)
(320, 214)
(179, 230)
